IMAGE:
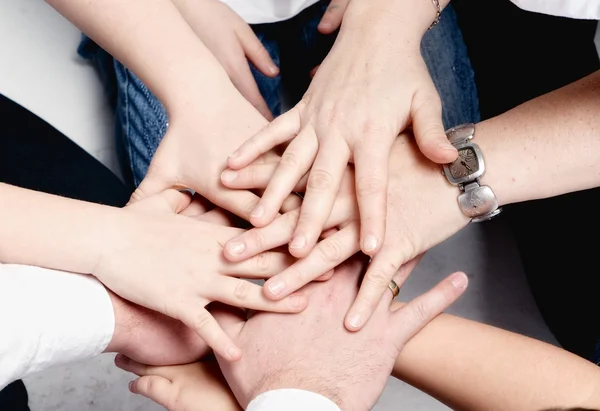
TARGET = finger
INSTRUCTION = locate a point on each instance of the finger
(280, 130)
(258, 240)
(150, 185)
(198, 206)
(242, 293)
(239, 202)
(371, 170)
(231, 319)
(256, 52)
(379, 273)
(332, 19)
(294, 163)
(325, 277)
(264, 265)
(405, 270)
(415, 315)
(216, 216)
(254, 177)
(127, 364)
(244, 82)
(158, 389)
(293, 202)
(176, 201)
(428, 127)
(208, 329)
(322, 188)
(327, 255)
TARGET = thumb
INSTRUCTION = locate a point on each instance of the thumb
(230, 319)
(170, 200)
(411, 318)
(158, 389)
(332, 19)
(157, 179)
(429, 128)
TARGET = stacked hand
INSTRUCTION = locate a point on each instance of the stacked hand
(364, 94)
(173, 264)
(421, 213)
(313, 350)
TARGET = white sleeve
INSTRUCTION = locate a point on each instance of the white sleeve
(50, 317)
(291, 400)
(576, 9)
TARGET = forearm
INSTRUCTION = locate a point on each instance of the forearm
(51, 231)
(546, 147)
(405, 20)
(472, 366)
(153, 40)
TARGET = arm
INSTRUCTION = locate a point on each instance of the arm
(472, 366)
(546, 147)
(153, 40)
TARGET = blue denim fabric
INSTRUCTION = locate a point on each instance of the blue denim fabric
(596, 357)
(141, 120)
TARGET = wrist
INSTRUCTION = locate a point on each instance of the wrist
(123, 314)
(407, 20)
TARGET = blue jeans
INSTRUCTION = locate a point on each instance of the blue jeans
(296, 47)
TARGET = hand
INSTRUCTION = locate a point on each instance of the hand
(312, 350)
(422, 212)
(174, 265)
(232, 41)
(198, 386)
(332, 19)
(366, 91)
(153, 338)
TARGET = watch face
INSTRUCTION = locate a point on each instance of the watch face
(466, 164)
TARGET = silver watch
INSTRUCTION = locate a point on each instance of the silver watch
(477, 202)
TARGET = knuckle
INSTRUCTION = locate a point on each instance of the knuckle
(202, 320)
(289, 160)
(257, 238)
(421, 312)
(378, 278)
(263, 262)
(373, 127)
(368, 186)
(330, 251)
(242, 290)
(319, 180)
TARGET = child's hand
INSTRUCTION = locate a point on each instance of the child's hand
(233, 43)
(198, 386)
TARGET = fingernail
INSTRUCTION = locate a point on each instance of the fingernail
(370, 243)
(325, 25)
(131, 384)
(459, 281)
(119, 360)
(258, 212)
(228, 176)
(233, 352)
(354, 321)
(298, 242)
(276, 287)
(445, 145)
(234, 154)
(235, 247)
(273, 70)
(296, 300)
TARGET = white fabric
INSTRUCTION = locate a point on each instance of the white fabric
(268, 11)
(291, 400)
(577, 9)
(49, 317)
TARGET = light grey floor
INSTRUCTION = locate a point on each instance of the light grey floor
(40, 70)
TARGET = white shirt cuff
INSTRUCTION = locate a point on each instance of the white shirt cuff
(49, 317)
(291, 400)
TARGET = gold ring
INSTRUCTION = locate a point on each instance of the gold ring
(394, 288)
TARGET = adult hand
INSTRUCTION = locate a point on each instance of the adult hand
(198, 386)
(422, 212)
(232, 41)
(364, 94)
(174, 265)
(313, 351)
